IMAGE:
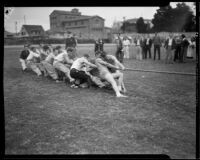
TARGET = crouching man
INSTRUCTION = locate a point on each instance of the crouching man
(62, 62)
(23, 56)
(103, 65)
(48, 64)
(77, 72)
(31, 61)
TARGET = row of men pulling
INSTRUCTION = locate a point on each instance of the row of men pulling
(102, 71)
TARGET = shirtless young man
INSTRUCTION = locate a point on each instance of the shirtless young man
(115, 73)
(106, 75)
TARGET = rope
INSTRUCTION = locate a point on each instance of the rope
(166, 72)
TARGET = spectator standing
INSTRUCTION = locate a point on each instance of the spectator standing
(99, 44)
(119, 52)
(126, 44)
(184, 47)
(157, 45)
(142, 45)
(138, 44)
(177, 48)
(191, 48)
(148, 44)
(169, 46)
(71, 42)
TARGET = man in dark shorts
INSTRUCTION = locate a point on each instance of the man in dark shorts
(77, 71)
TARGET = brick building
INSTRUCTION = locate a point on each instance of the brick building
(82, 25)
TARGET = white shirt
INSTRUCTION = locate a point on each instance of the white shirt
(79, 63)
(170, 42)
(32, 55)
(50, 58)
(126, 42)
(138, 42)
(147, 41)
(63, 57)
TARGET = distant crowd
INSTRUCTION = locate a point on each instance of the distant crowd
(177, 47)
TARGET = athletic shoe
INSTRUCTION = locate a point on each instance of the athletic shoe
(73, 86)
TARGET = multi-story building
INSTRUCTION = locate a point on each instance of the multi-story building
(73, 21)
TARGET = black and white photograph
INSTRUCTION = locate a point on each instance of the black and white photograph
(93, 80)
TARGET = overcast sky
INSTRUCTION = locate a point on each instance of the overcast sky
(40, 15)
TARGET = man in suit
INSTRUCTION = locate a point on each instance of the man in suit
(184, 47)
(98, 46)
(169, 46)
(148, 44)
(178, 41)
(119, 52)
(71, 42)
(157, 44)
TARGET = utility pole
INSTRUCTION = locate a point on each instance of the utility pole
(16, 27)
(24, 19)
(124, 24)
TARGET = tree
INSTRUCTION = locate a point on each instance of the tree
(125, 27)
(176, 19)
(141, 26)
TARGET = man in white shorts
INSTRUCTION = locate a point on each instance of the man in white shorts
(31, 61)
(110, 77)
(62, 62)
(48, 64)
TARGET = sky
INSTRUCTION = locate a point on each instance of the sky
(40, 15)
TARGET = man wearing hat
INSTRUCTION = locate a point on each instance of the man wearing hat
(24, 54)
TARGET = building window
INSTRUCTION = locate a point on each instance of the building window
(82, 22)
(75, 23)
(69, 24)
(96, 21)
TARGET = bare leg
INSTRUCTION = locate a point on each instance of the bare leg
(111, 80)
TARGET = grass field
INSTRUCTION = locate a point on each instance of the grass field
(43, 117)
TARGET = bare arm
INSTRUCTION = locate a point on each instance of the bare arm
(90, 64)
(117, 62)
(67, 59)
(106, 64)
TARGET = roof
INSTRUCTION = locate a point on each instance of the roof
(8, 33)
(64, 12)
(82, 18)
(30, 28)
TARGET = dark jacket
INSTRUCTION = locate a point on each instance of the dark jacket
(185, 43)
(24, 54)
(70, 42)
(173, 44)
(150, 43)
(98, 46)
